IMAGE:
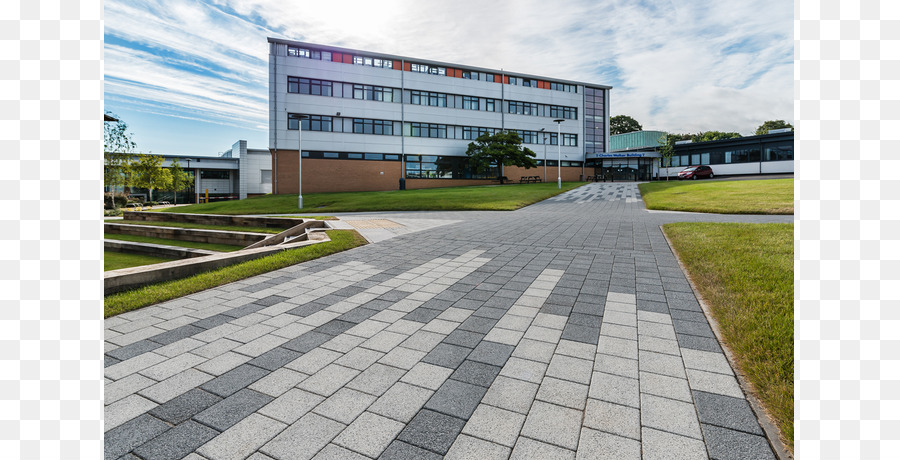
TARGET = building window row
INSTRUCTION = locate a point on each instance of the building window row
(434, 130)
(373, 93)
(366, 126)
(427, 98)
(444, 167)
(351, 156)
(309, 86)
(327, 123)
(308, 53)
(778, 152)
(315, 87)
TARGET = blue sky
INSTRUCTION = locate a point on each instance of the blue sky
(190, 77)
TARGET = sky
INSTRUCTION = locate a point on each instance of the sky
(190, 77)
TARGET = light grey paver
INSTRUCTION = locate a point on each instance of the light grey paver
(613, 418)
(597, 445)
(345, 405)
(124, 410)
(670, 415)
(615, 389)
(660, 445)
(328, 380)
(119, 389)
(711, 382)
(172, 366)
(665, 386)
(401, 402)
(527, 449)
(376, 379)
(569, 368)
(369, 434)
(494, 424)
(553, 424)
(175, 385)
(511, 394)
(278, 382)
(522, 369)
(292, 405)
(242, 439)
(427, 376)
(470, 448)
(303, 439)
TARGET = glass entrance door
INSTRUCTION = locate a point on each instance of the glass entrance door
(624, 169)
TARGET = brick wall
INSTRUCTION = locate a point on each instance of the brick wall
(320, 175)
(569, 173)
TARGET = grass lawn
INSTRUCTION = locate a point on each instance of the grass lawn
(479, 198)
(771, 196)
(341, 240)
(745, 273)
(227, 228)
(113, 260)
(169, 242)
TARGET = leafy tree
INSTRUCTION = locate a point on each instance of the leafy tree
(117, 154)
(666, 149)
(680, 137)
(713, 136)
(503, 148)
(147, 172)
(772, 124)
(180, 180)
(621, 124)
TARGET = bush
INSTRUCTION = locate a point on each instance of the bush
(111, 201)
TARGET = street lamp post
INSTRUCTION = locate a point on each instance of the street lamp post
(545, 154)
(300, 119)
(558, 122)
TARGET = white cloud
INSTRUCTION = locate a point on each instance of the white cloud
(678, 66)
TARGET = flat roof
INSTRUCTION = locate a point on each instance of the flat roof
(394, 57)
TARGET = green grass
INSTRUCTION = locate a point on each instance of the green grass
(745, 273)
(115, 260)
(341, 240)
(772, 196)
(478, 198)
(169, 242)
(227, 228)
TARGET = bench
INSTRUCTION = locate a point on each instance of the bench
(529, 179)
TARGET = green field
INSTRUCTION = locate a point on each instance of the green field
(771, 196)
(115, 260)
(169, 242)
(481, 198)
(341, 240)
(745, 273)
(227, 228)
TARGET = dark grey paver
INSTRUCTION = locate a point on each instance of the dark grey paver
(177, 442)
(463, 338)
(492, 353)
(726, 412)
(212, 321)
(132, 350)
(185, 406)
(725, 444)
(422, 314)
(176, 334)
(399, 450)
(698, 343)
(693, 328)
(307, 341)
(275, 358)
(476, 373)
(431, 431)
(125, 437)
(234, 380)
(648, 305)
(357, 315)
(447, 355)
(109, 361)
(307, 309)
(334, 327)
(579, 333)
(478, 324)
(233, 409)
(245, 310)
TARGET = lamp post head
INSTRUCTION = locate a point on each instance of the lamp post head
(559, 120)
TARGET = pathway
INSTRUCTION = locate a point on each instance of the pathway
(563, 330)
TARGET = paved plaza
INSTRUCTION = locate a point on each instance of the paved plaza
(562, 330)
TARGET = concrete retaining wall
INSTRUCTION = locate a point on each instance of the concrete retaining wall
(209, 219)
(187, 234)
(159, 250)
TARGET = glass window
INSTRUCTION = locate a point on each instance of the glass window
(265, 176)
(355, 156)
(392, 157)
(780, 152)
(330, 155)
(374, 156)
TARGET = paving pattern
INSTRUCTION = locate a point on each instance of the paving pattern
(563, 330)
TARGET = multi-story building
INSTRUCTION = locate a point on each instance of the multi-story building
(375, 118)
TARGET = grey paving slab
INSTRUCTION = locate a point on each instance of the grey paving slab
(727, 444)
(485, 336)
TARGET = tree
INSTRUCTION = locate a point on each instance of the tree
(772, 124)
(621, 124)
(147, 172)
(117, 154)
(503, 148)
(713, 136)
(666, 149)
(180, 180)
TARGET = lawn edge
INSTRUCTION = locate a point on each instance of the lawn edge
(773, 434)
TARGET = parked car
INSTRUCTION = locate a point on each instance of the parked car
(694, 172)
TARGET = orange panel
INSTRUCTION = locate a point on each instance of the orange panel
(506, 79)
(348, 59)
(336, 57)
(407, 66)
(496, 78)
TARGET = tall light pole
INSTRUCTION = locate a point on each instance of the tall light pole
(300, 119)
(545, 154)
(558, 122)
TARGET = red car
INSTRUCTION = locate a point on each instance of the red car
(695, 172)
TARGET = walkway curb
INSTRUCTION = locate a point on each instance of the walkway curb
(773, 434)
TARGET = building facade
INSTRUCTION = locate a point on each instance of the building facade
(370, 119)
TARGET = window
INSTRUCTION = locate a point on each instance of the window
(470, 103)
(444, 167)
(570, 113)
(215, 174)
(293, 120)
(373, 93)
(528, 82)
(298, 52)
(780, 152)
(422, 68)
(374, 156)
(380, 127)
(428, 130)
(317, 123)
(490, 105)
(570, 140)
(523, 108)
(428, 98)
(473, 132)
(265, 176)
(468, 75)
(330, 155)
(309, 86)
